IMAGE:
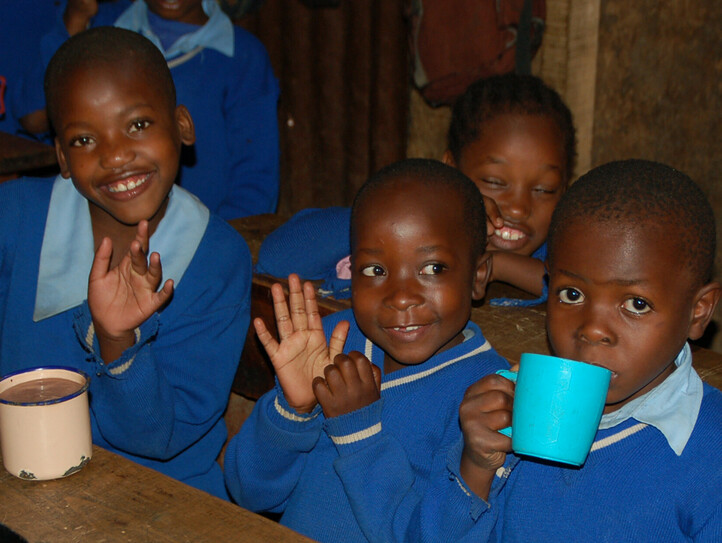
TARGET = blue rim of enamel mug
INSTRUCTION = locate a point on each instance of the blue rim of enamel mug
(54, 400)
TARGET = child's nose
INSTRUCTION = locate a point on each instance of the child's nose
(403, 294)
(595, 327)
(116, 153)
(517, 205)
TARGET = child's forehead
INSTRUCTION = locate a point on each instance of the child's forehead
(617, 239)
(407, 196)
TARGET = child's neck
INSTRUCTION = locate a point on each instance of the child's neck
(122, 235)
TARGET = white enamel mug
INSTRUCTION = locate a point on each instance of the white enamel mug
(45, 432)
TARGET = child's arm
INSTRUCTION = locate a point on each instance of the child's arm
(250, 113)
(302, 354)
(521, 271)
(78, 14)
(350, 383)
(123, 298)
(485, 409)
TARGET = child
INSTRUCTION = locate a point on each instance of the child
(631, 251)
(161, 362)
(514, 137)
(310, 444)
(224, 77)
(21, 28)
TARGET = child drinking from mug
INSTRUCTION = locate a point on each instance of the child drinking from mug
(631, 251)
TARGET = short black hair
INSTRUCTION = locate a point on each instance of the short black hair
(511, 93)
(105, 45)
(643, 192)
(429, 172)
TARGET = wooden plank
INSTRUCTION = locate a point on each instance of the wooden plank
(113, 499)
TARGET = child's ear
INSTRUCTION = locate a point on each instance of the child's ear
(62, 162)
(481, 276)
(448, 159)
(704, 306)
(186, 128)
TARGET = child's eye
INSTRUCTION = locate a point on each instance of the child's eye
(81, 141)
(493, 181)
(638, 306)
(373, 270)
(545, 190)
(137, 126)
(432, 269)
(570, 296)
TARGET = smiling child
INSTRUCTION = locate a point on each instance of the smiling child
(336, 422)
(631, 251)
(77, 287)
(514, 137)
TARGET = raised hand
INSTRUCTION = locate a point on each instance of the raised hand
(123, 298)
(485, 409)
(350, 383)
(302, 353)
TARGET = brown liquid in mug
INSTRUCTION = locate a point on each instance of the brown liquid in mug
(40, 390)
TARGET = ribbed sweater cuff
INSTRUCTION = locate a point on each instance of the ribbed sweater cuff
(85, 332)
(287, 418)
(465, 499)
(355, 430)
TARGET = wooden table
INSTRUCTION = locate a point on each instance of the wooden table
(20, 155)
(511, 330)
(114, 499)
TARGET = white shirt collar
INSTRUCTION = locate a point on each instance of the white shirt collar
(67, 251)
(216, 33)
(672, 406)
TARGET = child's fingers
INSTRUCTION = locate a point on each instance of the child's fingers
(101, 261)
(264, 336)
(296, 303)
(164, 294)
(493, 214)
(339, 374)
(377, 376)
(320, 389)
(138, 258)
(280, 311)
(314, 317)
(363, 367)
(338, 339)
(142, 236)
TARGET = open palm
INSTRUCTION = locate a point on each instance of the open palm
(302, 353)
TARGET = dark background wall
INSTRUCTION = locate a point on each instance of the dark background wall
(343, 110)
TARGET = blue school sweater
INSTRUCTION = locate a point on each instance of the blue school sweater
(633, 487)
(233, 167)
(321, 472)
(161, 403)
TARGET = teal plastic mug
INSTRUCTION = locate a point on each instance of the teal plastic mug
(558, 404)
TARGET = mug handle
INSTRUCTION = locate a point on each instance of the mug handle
(511, 375)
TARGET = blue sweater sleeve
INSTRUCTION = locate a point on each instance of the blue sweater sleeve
(250, 113)
(265, 459)
(310, 244)
(167, 391)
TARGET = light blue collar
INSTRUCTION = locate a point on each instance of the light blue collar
(67, 252)
(216, 34)
(671, 407)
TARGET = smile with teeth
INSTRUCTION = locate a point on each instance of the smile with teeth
(509, 234)
(406, 328)
(124, 186)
